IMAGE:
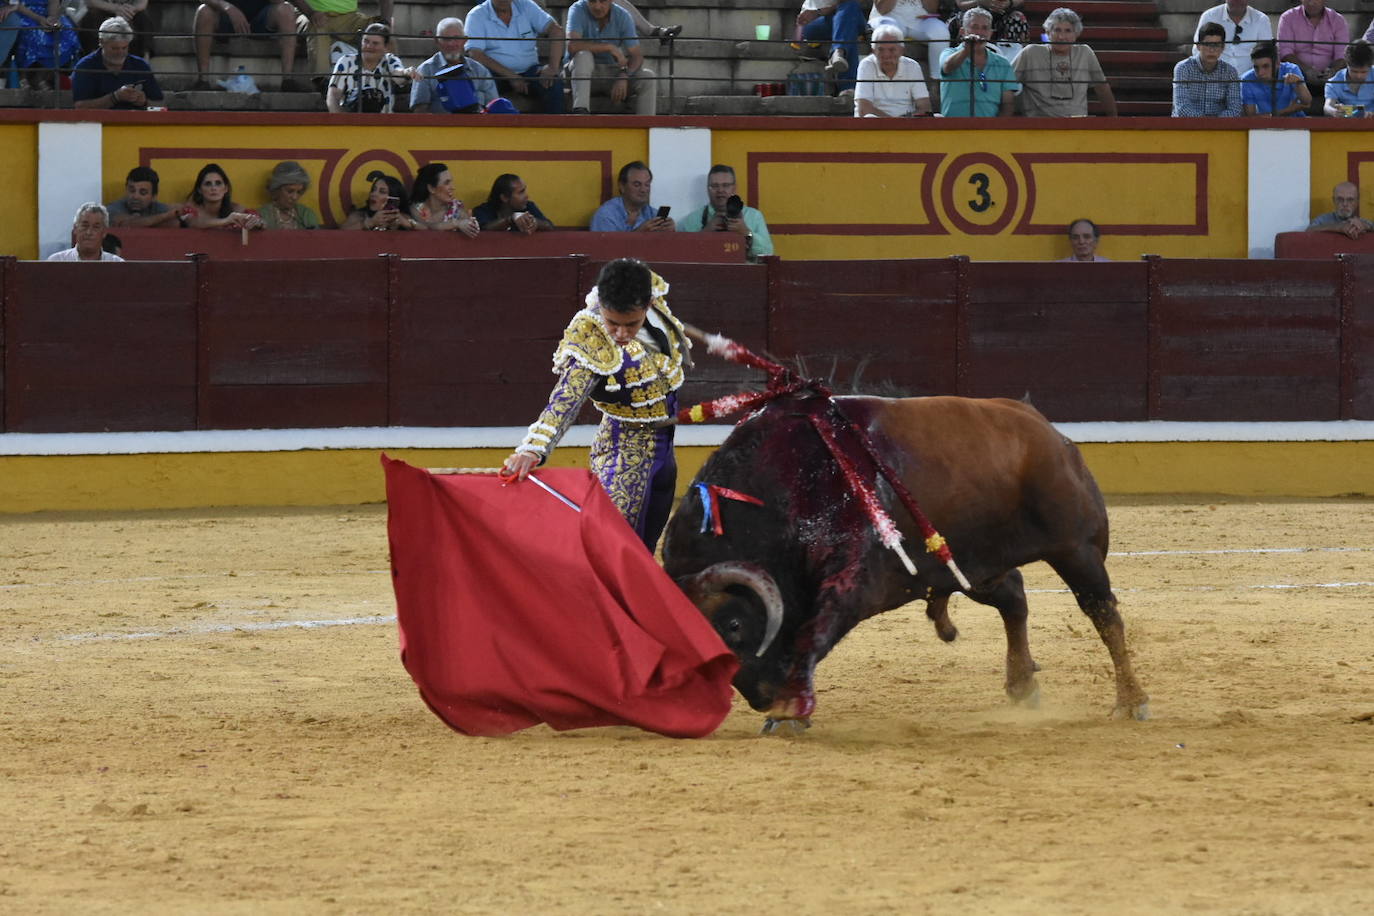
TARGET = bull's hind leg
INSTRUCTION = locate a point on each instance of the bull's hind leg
(1008, 595)
(1087, 577)
(937, 609)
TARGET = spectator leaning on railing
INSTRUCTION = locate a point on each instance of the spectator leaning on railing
(1264, 94)
(1349, 92)
(111, 77)
(975, 80)
(139, 208)
(1245, 28)
(1313, 37)
(1055, 77)
(1205, 86)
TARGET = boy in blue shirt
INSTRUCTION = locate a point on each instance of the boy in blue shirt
(1265, 95)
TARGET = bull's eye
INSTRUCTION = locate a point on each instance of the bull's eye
(732, 630)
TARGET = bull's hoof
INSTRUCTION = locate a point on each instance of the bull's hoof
(773, 726)
(1140, 712)
(947, 631)
(1029, 699)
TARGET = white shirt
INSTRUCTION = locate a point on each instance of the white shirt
(1254, 28)
(896, 96)
(906, 13)
(70, 254)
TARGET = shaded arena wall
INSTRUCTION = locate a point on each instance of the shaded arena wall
(376, 342)
(830, 188)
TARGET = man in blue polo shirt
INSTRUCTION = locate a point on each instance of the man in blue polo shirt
(502, 37)
(975, 80)
(111, 77)
(604, 55)
(631, 211)
(1263, 94)
(1349, 92)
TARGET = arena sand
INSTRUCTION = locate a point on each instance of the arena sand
(166, 750)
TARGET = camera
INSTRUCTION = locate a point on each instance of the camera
(734, 207)
(369, 101)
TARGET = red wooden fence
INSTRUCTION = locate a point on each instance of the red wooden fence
(212, 344)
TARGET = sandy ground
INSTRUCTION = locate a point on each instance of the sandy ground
(167, 746)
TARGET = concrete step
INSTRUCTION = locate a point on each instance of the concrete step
(1140, 12)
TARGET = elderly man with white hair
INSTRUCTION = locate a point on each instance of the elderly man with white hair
(89, 228)
(111, 77)
(889, 85)
(450, 81)
(1055, 77)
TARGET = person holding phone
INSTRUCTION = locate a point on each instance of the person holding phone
(111, 77)
(387, 206)
(632, 211)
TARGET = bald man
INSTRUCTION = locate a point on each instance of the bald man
(1346, 218)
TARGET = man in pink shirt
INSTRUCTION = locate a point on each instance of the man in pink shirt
(1314, 38)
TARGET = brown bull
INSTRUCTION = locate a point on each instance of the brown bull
(788, 579)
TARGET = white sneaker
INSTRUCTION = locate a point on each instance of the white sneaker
(837, 64)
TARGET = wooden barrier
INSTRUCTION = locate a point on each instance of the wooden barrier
(220, 244)
(1320, 245)
(207, 344)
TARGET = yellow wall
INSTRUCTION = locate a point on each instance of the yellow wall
(19, 190)
(337, 477)
(564, 168)
(1342, 156)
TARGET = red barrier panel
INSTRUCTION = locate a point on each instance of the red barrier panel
(1246, 340)
(220, 244)
(1072, 339)
(471, 341)
(1357, 337)
(1319, 245)
(883, 327)
(100, 347)
(293, 344)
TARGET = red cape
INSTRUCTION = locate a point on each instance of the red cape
(514, 609)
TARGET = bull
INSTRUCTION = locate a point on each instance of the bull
(784, 581)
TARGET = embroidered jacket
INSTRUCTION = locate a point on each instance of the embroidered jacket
(629, 384)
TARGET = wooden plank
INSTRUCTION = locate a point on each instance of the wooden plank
(1357, 339)
(96, 347)
(1248, 340)
(301, 329)
(875, 327)
(6, 283)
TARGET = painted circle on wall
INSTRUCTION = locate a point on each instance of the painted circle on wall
(979, 193)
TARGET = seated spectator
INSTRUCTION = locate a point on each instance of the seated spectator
(500, 38)
(664, 34)
(975, 79)
(387, 206)
(839, 22)
(466, 87)
(604, 57)
(1346, 218)
(889, 85)
(1205, 86)
(10, 23)
(1083, 238)
(1349, 92)
(112, 77)
(211, 205)
(285, 186)
(433, 203)
(366, 82)
(139, 208)
(216, 20)
(631, 211)
(89, 228)
(135, 12)
(509, 208)
(44, 41)
(1055, 77)
(1009, 25)
(1263, 94)
(1246, 27)
(1311, 36)
(726, 212)
(919, 23)
(324, 22)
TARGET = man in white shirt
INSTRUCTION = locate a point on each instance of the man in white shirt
(1245, 27)
(89, 228)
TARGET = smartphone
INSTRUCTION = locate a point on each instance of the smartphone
(391, 203)
(663, 212)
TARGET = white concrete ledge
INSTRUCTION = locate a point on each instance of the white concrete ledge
(399, 437)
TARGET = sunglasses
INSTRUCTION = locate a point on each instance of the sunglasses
(1235, 39)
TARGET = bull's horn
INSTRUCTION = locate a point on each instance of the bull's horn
(751, 576)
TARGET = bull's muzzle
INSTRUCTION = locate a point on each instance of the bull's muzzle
(707, 589)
